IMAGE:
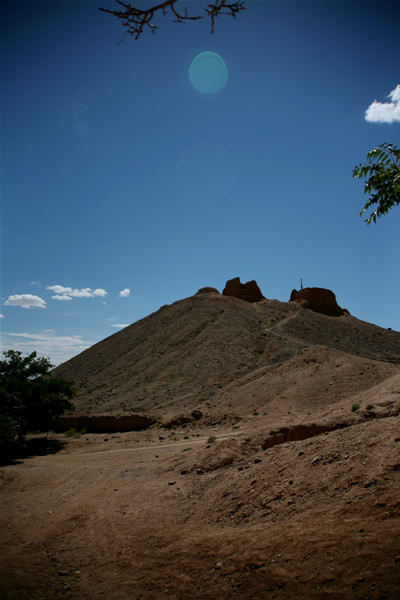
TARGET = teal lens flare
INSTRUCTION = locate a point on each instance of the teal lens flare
(208, 72)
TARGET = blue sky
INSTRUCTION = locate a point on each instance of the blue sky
(118, 175)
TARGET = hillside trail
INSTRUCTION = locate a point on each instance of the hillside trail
(286, 336)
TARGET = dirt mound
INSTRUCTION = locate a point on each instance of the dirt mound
(316, 380)
(192, 354)
(208, 290)
(218, 455)
(284, 480)
(379, 400)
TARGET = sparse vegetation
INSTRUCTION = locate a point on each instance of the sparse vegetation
(211, 439)
(73, 432)
(355, 406)
(370, 406)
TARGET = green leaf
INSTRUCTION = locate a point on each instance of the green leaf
(382, 179)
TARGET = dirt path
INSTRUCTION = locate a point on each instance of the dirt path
(175, 445)
(302, 520)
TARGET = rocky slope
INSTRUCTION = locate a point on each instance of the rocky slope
(220, 353)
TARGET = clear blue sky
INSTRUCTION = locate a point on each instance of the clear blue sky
(117, 174)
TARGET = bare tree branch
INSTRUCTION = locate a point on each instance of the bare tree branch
(217, 8)
(136, 20)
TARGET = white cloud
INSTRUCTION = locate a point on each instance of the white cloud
(120, 325)
(395, 94)
(82, 293)
(385, 112)
(67, 293)
(64, 339)
(25, 301)
(125, 293)
(57, 348)
(1, 316)
(63, 297)
(59, 289)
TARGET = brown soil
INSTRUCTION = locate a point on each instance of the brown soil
(288, 486)
(185, 355)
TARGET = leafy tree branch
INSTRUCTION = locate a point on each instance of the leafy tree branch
(381, 172)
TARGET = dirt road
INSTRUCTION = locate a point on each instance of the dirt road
(136, 517)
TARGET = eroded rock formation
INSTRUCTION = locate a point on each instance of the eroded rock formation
(319, 300)
(250, 292)
(295, 433)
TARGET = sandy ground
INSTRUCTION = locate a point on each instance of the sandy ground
(133, 516)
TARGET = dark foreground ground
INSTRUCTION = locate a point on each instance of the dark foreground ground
(134, 516)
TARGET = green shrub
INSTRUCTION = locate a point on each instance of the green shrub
(73, 432)
(8, 436)
(211, 439)
(355, 407)
(30, 399)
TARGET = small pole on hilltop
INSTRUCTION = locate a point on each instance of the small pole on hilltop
(301, 283)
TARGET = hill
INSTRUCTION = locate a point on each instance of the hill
(285, 484)
(221, 354)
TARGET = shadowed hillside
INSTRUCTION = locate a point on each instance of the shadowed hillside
(223, 353)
